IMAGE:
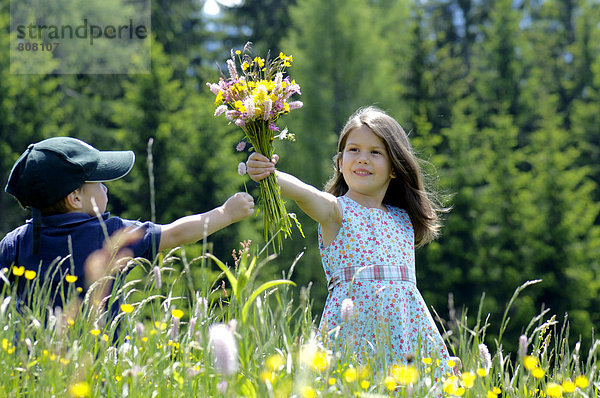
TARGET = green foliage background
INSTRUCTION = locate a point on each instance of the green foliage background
(502, 98)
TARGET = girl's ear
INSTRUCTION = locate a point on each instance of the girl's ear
(393, 174)
(74, 201)
(339, 162)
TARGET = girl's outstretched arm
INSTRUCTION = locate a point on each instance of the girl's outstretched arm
(318, 205)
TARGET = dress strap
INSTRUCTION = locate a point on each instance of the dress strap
(370, 272)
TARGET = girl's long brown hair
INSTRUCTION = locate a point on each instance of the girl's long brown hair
(407, 190)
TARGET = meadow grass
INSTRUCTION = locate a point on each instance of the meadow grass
(184, 329)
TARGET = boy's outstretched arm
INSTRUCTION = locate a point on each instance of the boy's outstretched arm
(198, 226)
(318, 205)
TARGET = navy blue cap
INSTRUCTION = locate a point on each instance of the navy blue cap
(53, 168)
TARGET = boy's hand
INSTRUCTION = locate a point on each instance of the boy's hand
(239, 206)
(259, 167)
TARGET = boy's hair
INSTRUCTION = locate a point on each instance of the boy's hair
(407, 190)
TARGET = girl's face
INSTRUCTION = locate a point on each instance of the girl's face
(95, 190)
(365, 164)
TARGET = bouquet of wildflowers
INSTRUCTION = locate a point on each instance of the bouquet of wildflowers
(254, 100)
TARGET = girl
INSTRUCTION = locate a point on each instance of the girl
(374, 211)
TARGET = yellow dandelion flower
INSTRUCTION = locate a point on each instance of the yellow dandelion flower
(5, 344)
(427, 361)
(177, 313)
(490, 394)
(105, 337)
(554, 390)
(70, 278)
(568, 385)
(145, 339)
(160, 325)
(320, 361)
(308, 392)
(52, 357)
(65, 361)
(30, 274)
(405, 375)
(275, 362)
(481, 372)
(364, 384)
(70, 322)
(238, 52)
(95, 332)
(81, 389)
(581, 381)
(245, 65)
(18, 271)
(538, 373)
(389, 383)
(267, 375)
(468, 379)
(331, 381)
(530, 362)
(127, 308)
(79, 289)
(11, 349)
(450, 363)
(496, 390)
(350, 375)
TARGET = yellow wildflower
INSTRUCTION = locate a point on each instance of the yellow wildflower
(127, 308)
(364, 384)
(269, 376)
(468, 379)
(331, 381)
(350, 375)
(481, 372)
(18, 271)
(238, 52)
(405, 375)
(5, 344)
(70, 278)
(568, 385)
(79, 289)
(105, 337)
(81, 389)
(581, 381)
(390, 383)
(30, 274)
(530, 362)
(64, 361)
(177, 313)
(554, 390)
(427, 361)
(219, 98)
(308, 392)
(275, 362)
(538, 373)
(245, 65)
(490, 394)
(320, 361)
(160, 325)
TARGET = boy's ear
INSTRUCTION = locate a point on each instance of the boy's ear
(73, 200)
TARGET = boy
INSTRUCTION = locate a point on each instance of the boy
(60, 179)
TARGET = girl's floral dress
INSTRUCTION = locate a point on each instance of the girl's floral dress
(371, 261)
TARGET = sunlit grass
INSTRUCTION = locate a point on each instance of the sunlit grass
(184, 329)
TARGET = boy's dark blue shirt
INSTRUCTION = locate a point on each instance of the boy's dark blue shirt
(87, 235)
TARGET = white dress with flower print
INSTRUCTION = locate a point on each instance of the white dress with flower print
(371, 261)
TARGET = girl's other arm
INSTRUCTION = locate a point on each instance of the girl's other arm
(318, 205)
(194, 228)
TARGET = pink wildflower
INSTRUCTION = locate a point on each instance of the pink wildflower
(240, 146)
(220, 110)
(485, 357)
(522, 346)
(295, 105)
(242, 168)
(224, 348)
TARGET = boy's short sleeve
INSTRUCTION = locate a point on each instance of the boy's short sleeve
(148, 245)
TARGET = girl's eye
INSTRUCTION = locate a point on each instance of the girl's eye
(352, 149)
(376, 152)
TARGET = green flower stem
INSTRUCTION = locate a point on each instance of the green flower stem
(275, 215)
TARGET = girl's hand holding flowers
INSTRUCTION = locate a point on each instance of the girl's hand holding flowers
(259, 167)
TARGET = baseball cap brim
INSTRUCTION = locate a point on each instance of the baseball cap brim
(112, 166)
